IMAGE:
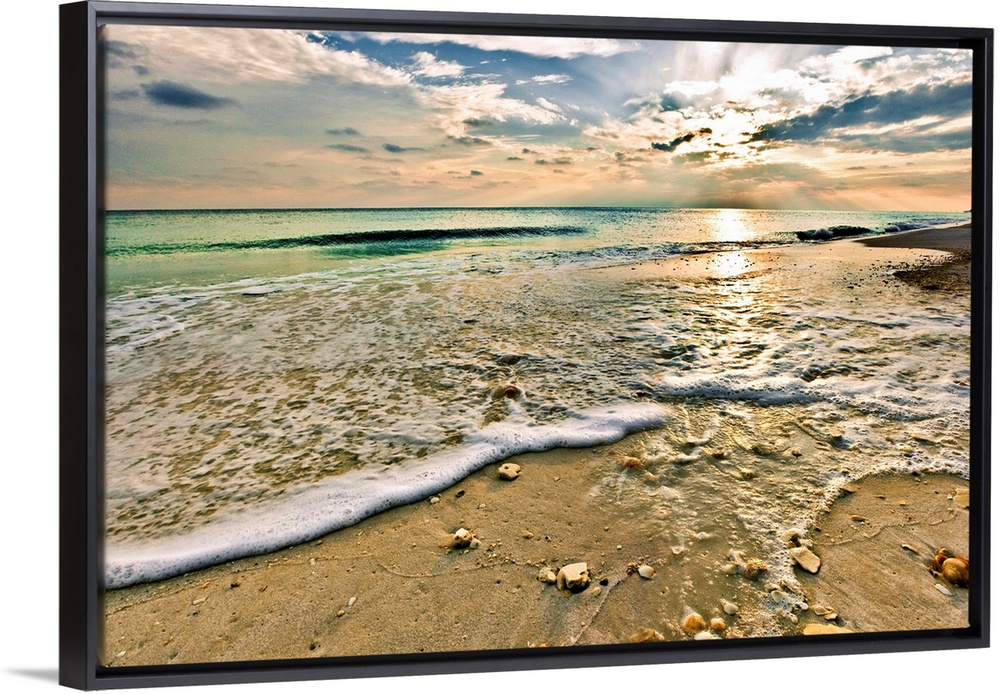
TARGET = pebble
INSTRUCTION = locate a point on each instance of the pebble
(547, 575)
(746, 473)
(475, 543)
(435, 499)
(705, 636)
(694, 623)
(198, 601)
(718, 624)
(806, 559)
(481, 506)
(858, 519)
(647, 571)
(508, 471)
(596, 591)
(350, 603)
(729, 608)
(340, 613)
(573, 577)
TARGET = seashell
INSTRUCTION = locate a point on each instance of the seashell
(630, 462)
(694, 623)
(647, 571)
(718, 624)
(806, 559)
(462, 538)
(956, 571)
(729, 608)
(645, 635)
(753, 568)
(508, 471)
(705, 636)
(573, 577)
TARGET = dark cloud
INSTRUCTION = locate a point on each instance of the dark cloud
(120, 49)
(528, 151)
(341, 131)
(396, 149)
(561, 161)
(475, 173)
(945, 101)
(479, 122)
(467, 140)
(349, 148)
(125, 94)
(166, 93)
(140, 70)
(515, 158)
(678, 141)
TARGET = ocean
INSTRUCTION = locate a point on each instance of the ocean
(273, 375)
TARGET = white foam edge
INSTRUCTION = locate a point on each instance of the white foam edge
(349, 498)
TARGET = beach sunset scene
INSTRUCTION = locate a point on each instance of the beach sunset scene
(449, 342)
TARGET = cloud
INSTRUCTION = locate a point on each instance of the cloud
(515, 159)
(396, 149)
(863, 119)
(167, 93)
(349, 148)
(427, 65)
(561, 161)
(546, 79)
(539, 46)
(474, 172)
(342, 131)
(229, 54)
(469, 141)
(474, 122)
(678, 141)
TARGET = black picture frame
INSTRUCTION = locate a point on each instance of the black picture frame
(82, 329)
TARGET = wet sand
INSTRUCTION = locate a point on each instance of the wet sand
(391, 584)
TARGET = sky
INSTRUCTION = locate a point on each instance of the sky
(202, 117)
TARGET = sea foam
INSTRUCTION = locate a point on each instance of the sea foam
(348, 498)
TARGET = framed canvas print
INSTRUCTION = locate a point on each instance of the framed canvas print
(422, 342)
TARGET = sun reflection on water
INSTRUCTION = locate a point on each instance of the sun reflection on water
(731, 225)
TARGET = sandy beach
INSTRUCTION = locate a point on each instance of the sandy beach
(397, 582)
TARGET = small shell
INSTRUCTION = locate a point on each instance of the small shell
(508, 471)
(729, 608)
(462, 538)
(718, 624)
(694, 623)
(956, 571)
(647, 571)
(754, 568)
(645, 635)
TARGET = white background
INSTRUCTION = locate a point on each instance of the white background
(29, 395)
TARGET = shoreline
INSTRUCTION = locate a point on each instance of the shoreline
(387, 585)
